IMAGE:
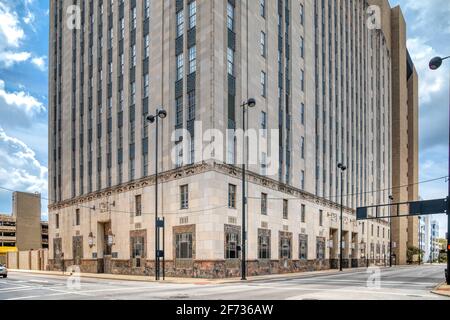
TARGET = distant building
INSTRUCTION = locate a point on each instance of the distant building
(422, 236)
(24, 228)
(434, 240)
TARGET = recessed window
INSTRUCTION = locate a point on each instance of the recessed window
(77, 217)
(180, 66)
(264, 246)
(264, 203)
(262, 8)
(192, 14)
(184, 197)
(180, 23)
(138, 205)
(192, 59)
(230, 61)
(231, 245)
(263, 44)
(183, 242)
(285, 209)
(263, 84)
(303, 213)
(230, 16)
(321, 218)
(232, 196)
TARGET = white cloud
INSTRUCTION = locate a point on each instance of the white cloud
(8, 58)
(39, 62)
(20, 100)
(10, 31)
(20, 170)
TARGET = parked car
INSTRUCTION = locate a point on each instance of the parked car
(3, 271)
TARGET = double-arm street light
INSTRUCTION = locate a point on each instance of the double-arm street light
(250, 103)
(160, 114)
(435, 64)
(391, 198)
(342, 168)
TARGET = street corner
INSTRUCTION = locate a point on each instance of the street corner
(443, 289)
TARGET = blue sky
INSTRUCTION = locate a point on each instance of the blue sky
(23, 94)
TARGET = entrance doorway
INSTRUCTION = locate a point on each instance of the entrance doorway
(105, 247)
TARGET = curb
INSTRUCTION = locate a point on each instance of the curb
(439, 292)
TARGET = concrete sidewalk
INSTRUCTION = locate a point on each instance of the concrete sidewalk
(443, 289)
(199, 281)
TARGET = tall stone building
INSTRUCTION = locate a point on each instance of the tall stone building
(326, 75)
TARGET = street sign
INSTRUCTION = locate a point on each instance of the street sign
(428, 207)
(406, 209)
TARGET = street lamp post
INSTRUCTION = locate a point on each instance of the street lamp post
(435, 64)
(342, 168)
(160, 114)
(247, 104)
(391, 198)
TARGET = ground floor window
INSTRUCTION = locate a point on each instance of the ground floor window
(285, 245)
(232, 240)
(231, 246)
(264, 244)
(320, 248)
(303, 247)
(184, 246)
(137, 247)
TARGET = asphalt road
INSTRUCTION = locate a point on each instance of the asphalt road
(403, 283)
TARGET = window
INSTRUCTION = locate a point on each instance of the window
(302, 80)
(180, 66)
(133, 55)
(231, 244)
(263, 83)
(230, 16)
(285, 209)
(133, 18)
(263, 44)
(147, 46)
(321, 218)
(285, 248)
(230, 61)
(179, 112)
(77, 217)
(147, 9)
(264, 203)
(137, 244)
(264, 246)
(180, 23)
(57, 221)
(371, 230)
(192, 14)
(302, 15)
(303, 213)
(183, 245)
(231, 196)
(378, 231)
(302, 180)
(302, 113)
(320, 248)
(146, 85)
(192, 59)
(302, 147)
(138, 205)
(303, 247)
(184, 197)
(302, 47)
(264, 123)
(262, 8)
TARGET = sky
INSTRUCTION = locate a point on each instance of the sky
(24, 91)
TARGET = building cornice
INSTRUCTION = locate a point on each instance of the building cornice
(196, 169)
